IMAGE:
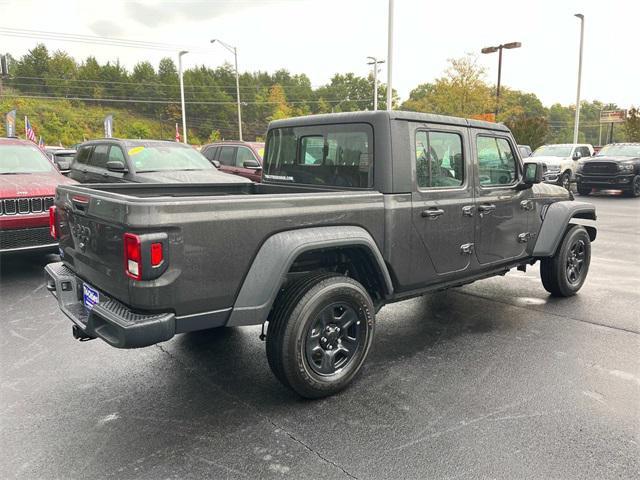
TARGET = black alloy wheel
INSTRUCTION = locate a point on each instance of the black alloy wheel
(333, 339)
(575, 261)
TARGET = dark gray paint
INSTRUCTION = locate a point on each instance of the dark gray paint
(217, 231)
(557, 217)
(274, 259)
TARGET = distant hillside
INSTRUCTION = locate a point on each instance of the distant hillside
(69, 122)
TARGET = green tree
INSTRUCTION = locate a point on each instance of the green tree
(528, 130)
(632, 125)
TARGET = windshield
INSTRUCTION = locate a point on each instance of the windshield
(553, 151)
(16, 159)
(620, 151)
(155, 158)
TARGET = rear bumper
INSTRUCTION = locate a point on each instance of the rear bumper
(603, 181)
(109, 319)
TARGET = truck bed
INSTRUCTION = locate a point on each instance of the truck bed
(214, 232)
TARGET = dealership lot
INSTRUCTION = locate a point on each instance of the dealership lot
(492, 380)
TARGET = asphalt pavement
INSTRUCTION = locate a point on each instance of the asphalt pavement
(491, 380)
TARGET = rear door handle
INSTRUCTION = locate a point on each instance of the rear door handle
(432, 212)
(486, 208)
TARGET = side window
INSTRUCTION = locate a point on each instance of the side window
(496, 161)
(439, 159)
(584, 152)
(210, 153)
(115, 154)
(227, 155)
(244, 155)
(83, 154)
(99, 157)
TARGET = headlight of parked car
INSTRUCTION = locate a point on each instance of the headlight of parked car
(553, 168)
(626, 167)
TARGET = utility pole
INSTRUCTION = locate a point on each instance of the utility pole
(374, 61)
(184, 114)
(576, 123)
(234, 50)
(390, 58)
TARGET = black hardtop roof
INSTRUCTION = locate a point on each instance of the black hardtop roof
(380, 115)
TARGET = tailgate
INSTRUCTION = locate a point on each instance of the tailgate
(91, 239)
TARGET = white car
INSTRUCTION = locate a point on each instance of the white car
(561, 160)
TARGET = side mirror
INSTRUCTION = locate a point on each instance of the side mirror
(577, 155)
(532, 174)
(216, 163)
(116, 166)
(252, 165)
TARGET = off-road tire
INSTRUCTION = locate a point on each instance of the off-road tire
(584, 191)
(554, 270)
(634, 191)
(295, 310)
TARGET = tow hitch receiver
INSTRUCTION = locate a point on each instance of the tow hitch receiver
(79, 334)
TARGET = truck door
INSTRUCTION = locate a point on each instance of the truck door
(502, 211)
(443, 197)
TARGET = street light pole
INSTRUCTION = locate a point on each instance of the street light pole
(499, 49)
(576, 123)
(374, 61)
(184, 115)
(390, 58)
(234, 50)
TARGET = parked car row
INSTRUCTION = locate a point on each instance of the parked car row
(614, 166)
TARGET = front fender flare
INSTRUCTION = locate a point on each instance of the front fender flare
(554, 225)
(274, 259)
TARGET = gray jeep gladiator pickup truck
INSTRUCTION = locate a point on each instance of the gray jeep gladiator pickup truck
(356, 210)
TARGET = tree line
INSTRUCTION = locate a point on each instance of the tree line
(152, 96)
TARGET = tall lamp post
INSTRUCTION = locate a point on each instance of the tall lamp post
(184, 116)
(234, 50)
(499, 49)
(576, 123)
(374, 61)
(390, 58)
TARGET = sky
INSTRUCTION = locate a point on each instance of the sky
(323, 37)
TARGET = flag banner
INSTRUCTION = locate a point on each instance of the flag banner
(177, 133)
(10, 123)
(108, 126)
(28, 130)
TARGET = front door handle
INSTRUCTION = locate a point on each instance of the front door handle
(486, 208)
(432, 212)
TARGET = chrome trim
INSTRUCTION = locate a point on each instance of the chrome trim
(35, 247)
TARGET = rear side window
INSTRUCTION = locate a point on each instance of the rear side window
(330, 155)
(99, 157)
(496, 161)
(439, 160)
(227, 156)
(83, 154)
(210, 153)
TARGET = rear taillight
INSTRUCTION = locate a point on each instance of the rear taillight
(133, 256)
(156, 254)
(53, 222)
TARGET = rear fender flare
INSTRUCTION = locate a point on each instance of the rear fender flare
(555, 222)
(274, 259)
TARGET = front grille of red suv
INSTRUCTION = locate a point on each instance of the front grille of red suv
(24, 206)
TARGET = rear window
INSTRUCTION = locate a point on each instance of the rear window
(330, 155)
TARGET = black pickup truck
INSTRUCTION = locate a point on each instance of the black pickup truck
(356, 210)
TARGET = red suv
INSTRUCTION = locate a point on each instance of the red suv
(28, 182)
(239, 158)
